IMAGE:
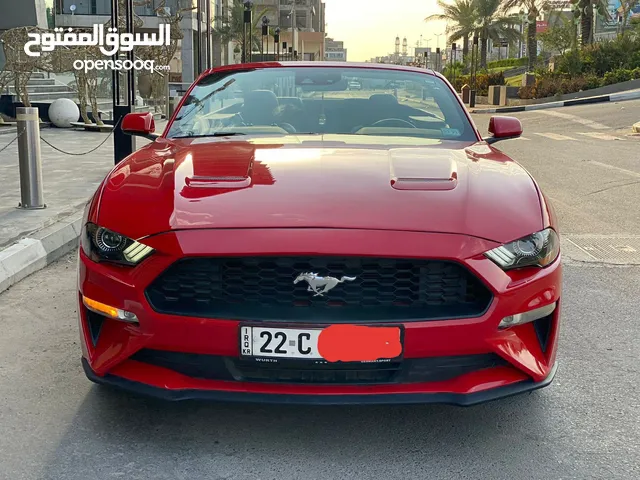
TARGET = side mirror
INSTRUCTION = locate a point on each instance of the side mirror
(140, 124)
(504, 128)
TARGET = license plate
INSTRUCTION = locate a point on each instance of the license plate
(280, 342)
(337, 343)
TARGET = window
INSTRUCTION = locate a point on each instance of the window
(323, 100)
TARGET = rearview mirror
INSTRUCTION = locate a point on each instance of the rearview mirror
(140, 124)
(504, 128)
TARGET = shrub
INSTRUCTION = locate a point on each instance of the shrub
(617, 76)
(508, 62)
(484, 81)
(527, 92)
(548, 86)
(569, 63)
(592, 81)
(601, 57)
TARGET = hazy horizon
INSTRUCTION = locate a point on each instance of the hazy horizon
(369, 28)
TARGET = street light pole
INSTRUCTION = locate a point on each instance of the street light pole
(452, 65)
(294, 25)
(438, 35)
(474, 72)
(208, 42)
(265, 33)
(247, 22)
(199, 30)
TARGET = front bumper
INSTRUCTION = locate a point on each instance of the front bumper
(457, 399)
(530, 362)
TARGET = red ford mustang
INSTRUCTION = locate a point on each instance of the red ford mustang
(288, 239)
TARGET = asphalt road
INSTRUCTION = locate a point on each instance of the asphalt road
(54, 424)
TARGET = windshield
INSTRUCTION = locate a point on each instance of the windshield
(322, 100)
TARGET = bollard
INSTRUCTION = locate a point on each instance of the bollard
(29, 159)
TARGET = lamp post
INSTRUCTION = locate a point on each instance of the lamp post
(199, 30)
(276, 43)
(265, 34)
(453, 64)
(438, 35)
(474, 72)
(208, 42)
(123, 86)
(246, 38)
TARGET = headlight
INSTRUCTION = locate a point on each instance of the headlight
(102, 244)
(537, 250)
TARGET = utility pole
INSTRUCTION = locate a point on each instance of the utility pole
(294, 25)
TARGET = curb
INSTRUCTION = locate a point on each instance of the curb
(614, 97)
(35, 252)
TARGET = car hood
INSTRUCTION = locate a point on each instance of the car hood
(377, 183)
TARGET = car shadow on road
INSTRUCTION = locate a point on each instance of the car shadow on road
(113, 429)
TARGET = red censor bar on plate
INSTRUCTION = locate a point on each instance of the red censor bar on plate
(353, 343)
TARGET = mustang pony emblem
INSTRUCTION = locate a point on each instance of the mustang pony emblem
(315, 282)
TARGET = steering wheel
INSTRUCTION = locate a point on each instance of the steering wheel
(288, 127)
(396, 121)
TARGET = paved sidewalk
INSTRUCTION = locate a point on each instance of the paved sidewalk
(30, 239)
(68, 180)
(613, 97)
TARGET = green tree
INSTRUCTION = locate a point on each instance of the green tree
(560, 37)
(51, 21)
(461, 15)
(532, 9)
(585, 11)
(232, 27)
(625, 10)
(492, 24)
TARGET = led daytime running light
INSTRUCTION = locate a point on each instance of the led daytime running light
(526, 317)
(109, 311)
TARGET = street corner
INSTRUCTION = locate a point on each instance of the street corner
(20, 259)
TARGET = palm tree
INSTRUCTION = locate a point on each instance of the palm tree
(532, 9)
(232, 29)
(462, 15)
(626, 7)
(584, 10)
(492, 24)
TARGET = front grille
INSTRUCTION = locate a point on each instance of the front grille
(262, 288)
(211, 367)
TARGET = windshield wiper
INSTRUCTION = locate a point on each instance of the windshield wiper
(216, 134)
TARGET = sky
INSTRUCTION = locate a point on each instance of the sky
(369, 27)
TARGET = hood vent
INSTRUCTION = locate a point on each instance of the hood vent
(218, 182)
(418, 171)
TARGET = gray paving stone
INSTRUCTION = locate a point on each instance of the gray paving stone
(68, 180)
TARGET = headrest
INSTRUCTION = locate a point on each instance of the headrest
(262, 99)
(384, 99)
(295, 101)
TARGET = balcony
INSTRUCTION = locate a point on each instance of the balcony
(103, 7)
(92, 12)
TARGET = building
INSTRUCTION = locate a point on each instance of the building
(86, 13)
(223, 54)
(334, 50)
(308, 18)
(23, 13)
